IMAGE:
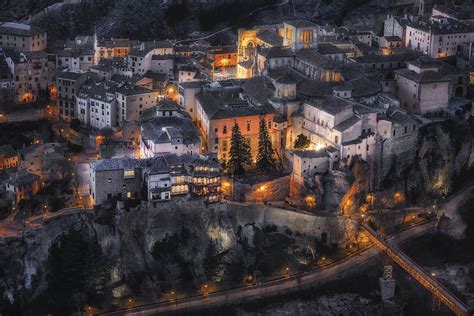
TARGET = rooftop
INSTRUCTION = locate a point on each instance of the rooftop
(322, 153)
(341, 127)
(276, 52)
(19, 29)
(332, 104)
(7, 151)
(328, 48)
(423, 77)
(300, 23)
(269, 37)
(221, 107)
(441, 25)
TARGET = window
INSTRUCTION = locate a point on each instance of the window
(130, 173)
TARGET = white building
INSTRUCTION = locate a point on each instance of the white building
(132, 101)
(81, 60)
(163, 64)
(299, 34)
(170, 130)
(438, 37)
(188, 74)
(97, 105)
(421, 89)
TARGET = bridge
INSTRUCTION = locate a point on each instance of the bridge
(292, 283)
(436, 288)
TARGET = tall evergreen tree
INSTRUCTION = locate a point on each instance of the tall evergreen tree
(240, 155)
(265, 159)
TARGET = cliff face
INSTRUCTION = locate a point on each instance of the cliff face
(147, 251)
(417, 169)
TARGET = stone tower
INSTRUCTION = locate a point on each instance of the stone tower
(387, 284)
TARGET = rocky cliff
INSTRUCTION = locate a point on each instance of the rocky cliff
(147, 251)
(433, 164)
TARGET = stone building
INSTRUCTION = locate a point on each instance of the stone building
(22, 185)
(81, 59)
(96, 105)
(32, 74)
(8, 157)
(68, 84)
(132, 100)
(169, 129)
(164, 177)
(421, 89)
(111, 48)
(47, 161)
(438, 36)
(22, 37)
(216, 113)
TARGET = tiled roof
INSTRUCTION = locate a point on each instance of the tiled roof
(311, 153)
(69, 75)
(217, 107)
(19, 29)
(300, 23)
(423, 77)
(169, 129)
(332, 105)
(328, 48)
(312, 56)
(435, 27)
(276, 52)
(270, 38)
(341, 127)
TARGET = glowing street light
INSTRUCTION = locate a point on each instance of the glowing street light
(310, 201)
(398, 197)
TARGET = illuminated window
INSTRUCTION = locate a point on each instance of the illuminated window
(129, 173)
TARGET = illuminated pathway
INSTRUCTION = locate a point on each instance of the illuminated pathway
(417, 272)
(317, 277)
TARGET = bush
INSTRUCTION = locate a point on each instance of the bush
(301, 142)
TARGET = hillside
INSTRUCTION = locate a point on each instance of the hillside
(150, 19)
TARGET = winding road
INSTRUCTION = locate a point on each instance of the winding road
(293, 283)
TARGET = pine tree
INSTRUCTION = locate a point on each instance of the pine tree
(239, 152)
(265, 160)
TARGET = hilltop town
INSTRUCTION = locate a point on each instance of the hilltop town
(347, 127)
